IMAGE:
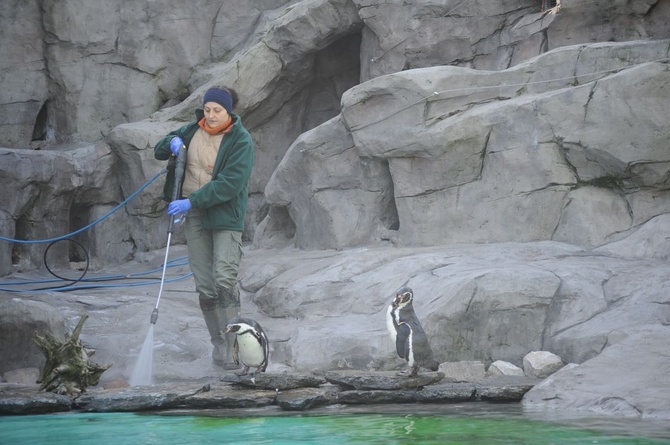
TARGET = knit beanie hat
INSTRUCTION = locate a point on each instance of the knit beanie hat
(221, 97)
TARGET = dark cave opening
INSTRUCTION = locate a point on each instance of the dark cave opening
(20, 250)
(41, 123)
(79, 217)
(337, 68)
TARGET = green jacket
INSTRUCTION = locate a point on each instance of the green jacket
(223, 199)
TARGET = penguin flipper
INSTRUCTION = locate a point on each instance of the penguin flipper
(403, 333)
(266, 353)
(236, 352)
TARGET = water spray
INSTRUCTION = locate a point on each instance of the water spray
(180, 166)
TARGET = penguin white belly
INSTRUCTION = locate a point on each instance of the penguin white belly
(250, 350)
(389, 324)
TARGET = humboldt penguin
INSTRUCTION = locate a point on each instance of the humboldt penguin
(251, 346)
(406, 331)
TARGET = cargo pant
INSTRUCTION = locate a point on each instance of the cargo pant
(214, 258)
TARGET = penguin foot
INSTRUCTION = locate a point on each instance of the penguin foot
(409, 372)
(244, 371)
(229, 366)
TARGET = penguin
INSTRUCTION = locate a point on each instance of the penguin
(408, 335)
(251, 346)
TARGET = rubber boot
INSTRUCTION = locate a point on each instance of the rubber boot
(216, 320)
(230, 298)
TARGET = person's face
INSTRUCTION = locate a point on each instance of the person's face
(215, 114)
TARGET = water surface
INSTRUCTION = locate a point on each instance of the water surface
(472, 424)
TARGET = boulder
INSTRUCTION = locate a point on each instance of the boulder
(20, 320)
(466, 371)
(24, 376)
(503, 368)
(541, 364)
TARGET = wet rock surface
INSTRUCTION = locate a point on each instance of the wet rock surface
(289, 392)
(28, 399)
(349, 332)
(382, 380)
(275, 381)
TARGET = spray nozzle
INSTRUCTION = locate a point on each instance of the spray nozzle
(154, 316)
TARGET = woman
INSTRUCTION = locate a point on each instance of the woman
(219, 160)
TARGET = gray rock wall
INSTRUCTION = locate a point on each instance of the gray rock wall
(292, 62)
(388, 135)
(23, 76)
(52, 193)
(443, 155)
(95, 68)
(495, 35)
(298, 76)
(99, 65)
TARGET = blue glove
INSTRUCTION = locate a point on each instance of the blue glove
(179, 206)
(175, 145)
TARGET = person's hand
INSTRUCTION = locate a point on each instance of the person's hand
(175, 145)
(179, 206)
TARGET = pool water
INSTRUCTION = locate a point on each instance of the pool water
(401, 425)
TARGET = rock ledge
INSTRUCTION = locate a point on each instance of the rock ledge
(291, 392)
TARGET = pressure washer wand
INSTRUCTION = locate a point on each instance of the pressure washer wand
(180, 167)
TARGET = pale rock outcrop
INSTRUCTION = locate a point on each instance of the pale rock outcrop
(541, 364)
(501, 367)
(466, 371)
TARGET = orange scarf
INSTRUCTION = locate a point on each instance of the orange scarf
(221, 129)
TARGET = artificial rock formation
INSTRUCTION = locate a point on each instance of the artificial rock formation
(20, 320)
(388, 137)
(325, 310)
(291, 61)
(444, 155)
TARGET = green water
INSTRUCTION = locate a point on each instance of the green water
(458, 425)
